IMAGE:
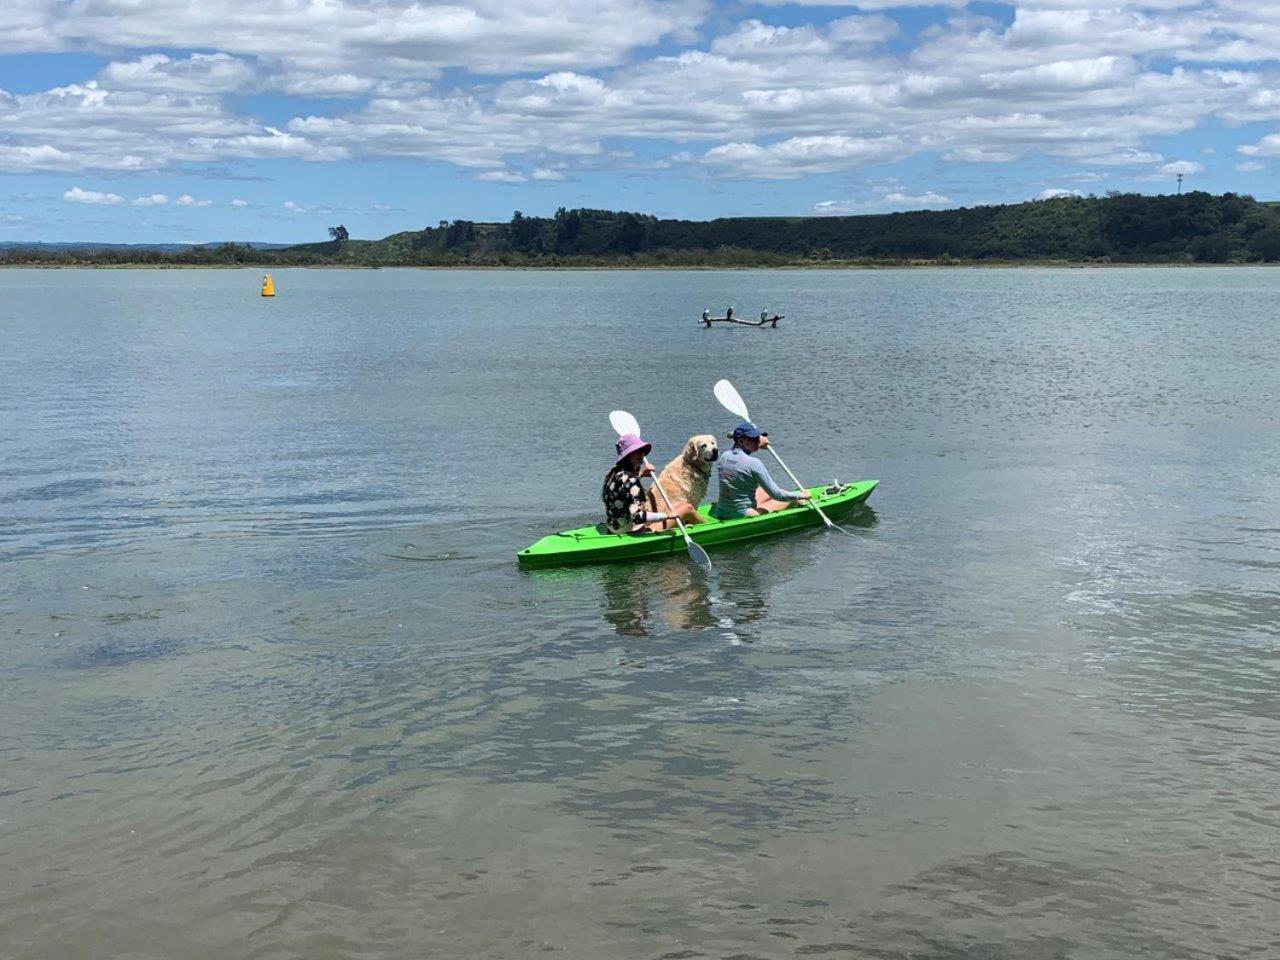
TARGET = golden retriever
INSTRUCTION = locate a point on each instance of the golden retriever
(685, 478)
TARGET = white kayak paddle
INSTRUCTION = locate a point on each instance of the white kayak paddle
(624, 423)
(732, 401)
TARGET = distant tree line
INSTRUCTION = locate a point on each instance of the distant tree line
(1194, 227)
(222, 254)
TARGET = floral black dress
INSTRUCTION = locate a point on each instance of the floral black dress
(626, 506)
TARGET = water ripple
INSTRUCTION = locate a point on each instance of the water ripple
(1026, 711)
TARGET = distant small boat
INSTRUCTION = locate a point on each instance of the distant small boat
(765, 319)
(268, 286)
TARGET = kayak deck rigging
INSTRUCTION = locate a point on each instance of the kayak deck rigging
(594, 544)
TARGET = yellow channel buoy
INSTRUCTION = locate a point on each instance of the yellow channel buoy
(268, 286)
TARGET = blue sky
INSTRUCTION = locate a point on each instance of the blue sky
(174, 120)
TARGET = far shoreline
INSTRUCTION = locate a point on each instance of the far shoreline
(1118, 230)
(549, 268)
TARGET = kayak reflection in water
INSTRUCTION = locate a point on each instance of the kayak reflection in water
(746, 489)
(628, 507)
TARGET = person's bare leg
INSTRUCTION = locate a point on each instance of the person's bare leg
(685, 511)
(765, 503)
(689, 514)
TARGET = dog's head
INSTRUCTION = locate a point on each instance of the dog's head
(701, 451)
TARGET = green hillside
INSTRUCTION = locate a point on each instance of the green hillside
(1119, 228)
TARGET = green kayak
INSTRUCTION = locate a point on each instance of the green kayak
(594, 544)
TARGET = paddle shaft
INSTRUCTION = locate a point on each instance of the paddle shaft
(796, 480)
(679, 523)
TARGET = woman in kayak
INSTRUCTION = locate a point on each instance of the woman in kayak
(627, 505)
(746, 489)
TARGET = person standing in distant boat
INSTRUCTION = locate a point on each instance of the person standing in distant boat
(764, 315)
(706, 316)
(746, 489)
(728, 314)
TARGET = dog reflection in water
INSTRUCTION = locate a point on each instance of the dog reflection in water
(733, 599)
(645, 598)
(633, 593)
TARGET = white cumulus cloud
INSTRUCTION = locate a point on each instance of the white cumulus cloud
(151, 200)
(568, 86)
(501, 176)
(79, 195)
(1268, 146)
(1184, 167)
(301, 84)
(800, 156)
(864, 4)
(198, 73)
(330, 37)
(889, 200)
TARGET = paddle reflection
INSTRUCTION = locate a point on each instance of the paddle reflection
(641, 599)
(750, 575)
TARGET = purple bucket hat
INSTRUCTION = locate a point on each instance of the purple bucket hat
(628, 444)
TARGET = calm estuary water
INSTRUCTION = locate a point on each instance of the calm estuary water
(272, 686)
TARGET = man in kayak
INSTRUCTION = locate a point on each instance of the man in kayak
(746, 489)
(627, 506)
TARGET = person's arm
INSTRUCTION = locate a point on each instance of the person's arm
(639, 514)
(762, 477)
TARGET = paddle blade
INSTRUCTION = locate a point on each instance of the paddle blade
(698, 556)
(624, 423)
(730, 400)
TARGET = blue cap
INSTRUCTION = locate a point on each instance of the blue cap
(746, 429)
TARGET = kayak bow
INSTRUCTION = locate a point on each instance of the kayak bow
(594, 544)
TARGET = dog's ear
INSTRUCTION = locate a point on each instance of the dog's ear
(691, 450)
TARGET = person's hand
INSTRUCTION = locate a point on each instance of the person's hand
(764, 442)
(804, 497)
(646, 471)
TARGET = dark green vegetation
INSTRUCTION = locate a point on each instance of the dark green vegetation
(1119, 228)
